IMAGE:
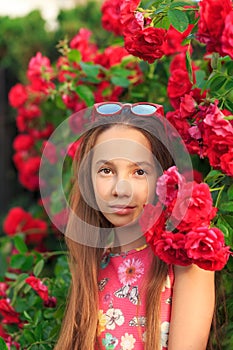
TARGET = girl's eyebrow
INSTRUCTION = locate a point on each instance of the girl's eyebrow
(139, 163)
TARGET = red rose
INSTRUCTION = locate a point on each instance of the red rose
(8, 313)
(152, 222)
(28, 173)
(112, 55)
(193, 209)
(181, 124)
(171, 249)
(174, 39)
(211, 24)
(226, 162)
(215, 122)
(106, 92)
(23, 142)
(3, 288)
(16, 221)
(51, 302)
(38, 286)
(111, 19)
(178, 83)
(38, 67)
(127, 13)
(73, 147)
(227, 36)
(146, 44)
(18, 95)
(218, 147)
(205, 246)
(82, 43)
(36, 230)
(188, 106)
(30, 111)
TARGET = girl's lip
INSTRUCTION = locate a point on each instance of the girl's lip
(122, 209)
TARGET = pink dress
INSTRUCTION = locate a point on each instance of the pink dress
(122, 321)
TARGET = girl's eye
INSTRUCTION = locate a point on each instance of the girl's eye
(105, 171)
(140, 172)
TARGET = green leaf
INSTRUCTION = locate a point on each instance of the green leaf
(189, 66)
(29, 336)
(200, 78)
(120, 81)
(90, 69)
(74, 56)
(38, 267)
(121, 72)
(229, 85)
(27, 265)
(11, 276)
(3, 265)
(226, 206)
(178, 4)
(230, 192)
(228, 105)
(217, 82)
(3, 345)
(178, 19)
(59, 102)
(20, 245)
(17, 261)
(85, 94)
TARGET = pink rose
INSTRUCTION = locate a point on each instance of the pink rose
(168, 185)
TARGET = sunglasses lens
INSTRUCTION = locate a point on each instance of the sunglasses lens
(108, 108)
(144, 109)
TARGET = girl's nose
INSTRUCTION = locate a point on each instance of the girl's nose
(122, 188)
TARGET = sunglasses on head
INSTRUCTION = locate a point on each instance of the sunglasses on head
(140, 108)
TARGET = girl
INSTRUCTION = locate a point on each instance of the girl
(122, 296)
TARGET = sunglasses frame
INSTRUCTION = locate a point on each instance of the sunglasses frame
(159, 109)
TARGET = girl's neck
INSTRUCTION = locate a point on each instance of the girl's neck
(128, 238)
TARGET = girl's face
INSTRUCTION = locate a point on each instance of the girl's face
(123, 174)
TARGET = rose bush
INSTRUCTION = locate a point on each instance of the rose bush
(175, 53)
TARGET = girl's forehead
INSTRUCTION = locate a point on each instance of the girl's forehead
(122, 143)
(124, 132)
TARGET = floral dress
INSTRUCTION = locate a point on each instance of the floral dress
(122, 321)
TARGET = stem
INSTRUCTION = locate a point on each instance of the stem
(220, 189)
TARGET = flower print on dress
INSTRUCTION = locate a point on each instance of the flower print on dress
(108, 299)
(102, 283)
(109, 341)
(114, 317)
(101, 322)
(130, 271)
(164, 334)
(137, 321)
(132, 294)
(127, 341)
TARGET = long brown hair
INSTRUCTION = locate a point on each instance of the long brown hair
(80, 323)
